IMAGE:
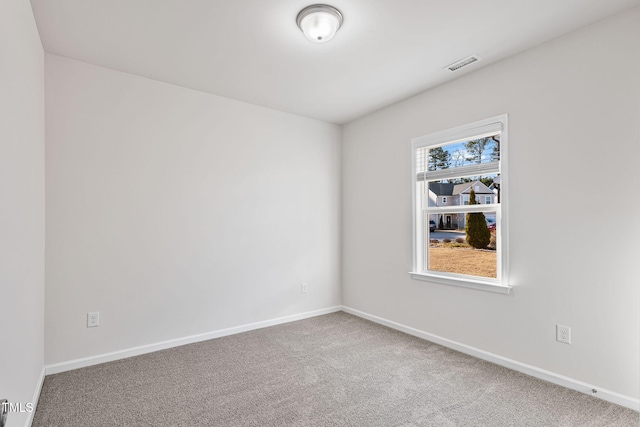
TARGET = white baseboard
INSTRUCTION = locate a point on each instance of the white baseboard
(552, 377)
(35, 399)
(136, 351)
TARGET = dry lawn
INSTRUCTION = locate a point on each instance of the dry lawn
(463, 261)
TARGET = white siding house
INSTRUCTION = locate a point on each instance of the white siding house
(450, 194)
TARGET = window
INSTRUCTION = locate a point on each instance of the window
(468, 165)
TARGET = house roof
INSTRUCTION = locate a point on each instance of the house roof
(465, 188)
(449, 189)
(441, 188)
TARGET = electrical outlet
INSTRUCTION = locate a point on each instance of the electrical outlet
(93, 319)
(563, 334)
(303, 288)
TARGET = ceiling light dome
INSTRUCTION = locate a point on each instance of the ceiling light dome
(319, 22)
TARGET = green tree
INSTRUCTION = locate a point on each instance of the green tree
(495, 152)
(486, 180)
(475, 149)
(478, 234)
(439, 158)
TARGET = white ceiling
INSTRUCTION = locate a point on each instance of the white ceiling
(251, 50)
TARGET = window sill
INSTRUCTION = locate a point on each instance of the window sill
(462, 282)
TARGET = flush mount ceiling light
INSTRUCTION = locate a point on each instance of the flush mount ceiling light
(319, 22)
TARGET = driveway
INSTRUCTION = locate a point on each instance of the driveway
(447, 234)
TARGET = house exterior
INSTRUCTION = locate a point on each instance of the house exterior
(450, 194)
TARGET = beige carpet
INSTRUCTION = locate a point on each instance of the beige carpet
(332, 370)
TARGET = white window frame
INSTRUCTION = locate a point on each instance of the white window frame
(421, 237)
(487, 200)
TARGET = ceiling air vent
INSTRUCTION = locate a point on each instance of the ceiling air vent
(459, 64)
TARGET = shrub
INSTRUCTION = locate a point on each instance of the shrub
(434, 241)
(446, 240)
(478, 234)
(459, 240)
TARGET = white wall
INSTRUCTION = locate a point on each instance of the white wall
(173, 212)
(21, 206)
(574, 127)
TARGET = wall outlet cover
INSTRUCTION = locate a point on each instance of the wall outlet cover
(563, 334)
(93, 319)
